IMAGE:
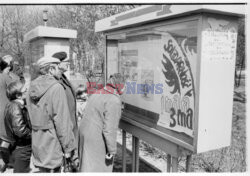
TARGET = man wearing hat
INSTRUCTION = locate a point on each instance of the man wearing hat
(70, 92)
(52, 130)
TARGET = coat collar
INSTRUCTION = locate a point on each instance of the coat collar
(65, 82)
(19, 102)
(115, 92)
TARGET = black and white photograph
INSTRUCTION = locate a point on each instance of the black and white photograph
(123, 87)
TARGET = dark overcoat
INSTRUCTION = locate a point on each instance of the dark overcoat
(71, 98)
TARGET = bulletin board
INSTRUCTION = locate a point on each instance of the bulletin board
(179, 72)
(159, 65)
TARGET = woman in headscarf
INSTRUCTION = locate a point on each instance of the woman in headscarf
(99, 125)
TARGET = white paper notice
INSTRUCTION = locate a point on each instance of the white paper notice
(219, 44)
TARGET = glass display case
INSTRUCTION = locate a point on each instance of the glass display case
(179, 69)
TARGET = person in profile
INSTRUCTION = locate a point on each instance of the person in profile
(98, 127)
(69, 90)
(18, 127)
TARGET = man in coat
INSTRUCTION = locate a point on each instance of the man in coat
(98, 127)
(52, 130)
(69, 90)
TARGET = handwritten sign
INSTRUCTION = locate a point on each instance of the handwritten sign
(219, 44)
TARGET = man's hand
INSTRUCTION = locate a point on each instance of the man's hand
(72, 161)
(1, 163)
(109, 158)
(2, 166)
(67, 155)
(75, 164)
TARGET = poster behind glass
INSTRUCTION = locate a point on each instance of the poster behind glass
(159, 64)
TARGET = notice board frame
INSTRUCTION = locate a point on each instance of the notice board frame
(170, 144)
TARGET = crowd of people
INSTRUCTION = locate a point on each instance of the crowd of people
(42, 124)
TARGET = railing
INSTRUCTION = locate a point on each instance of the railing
(172, 161)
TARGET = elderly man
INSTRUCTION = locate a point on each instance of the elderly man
(69, 90)
(52, 134)
(98, 129)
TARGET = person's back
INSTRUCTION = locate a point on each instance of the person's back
(52, 136)
(98, 128)
(96, 104)
(47, 98)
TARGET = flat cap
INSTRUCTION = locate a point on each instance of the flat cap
(61, 56)
(44, 61)
(7, 59)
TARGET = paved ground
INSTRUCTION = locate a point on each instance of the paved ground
(144, 166)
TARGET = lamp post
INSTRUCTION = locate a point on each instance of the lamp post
(45, 17)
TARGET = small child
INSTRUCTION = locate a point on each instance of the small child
(81, 97)
(18, 127)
